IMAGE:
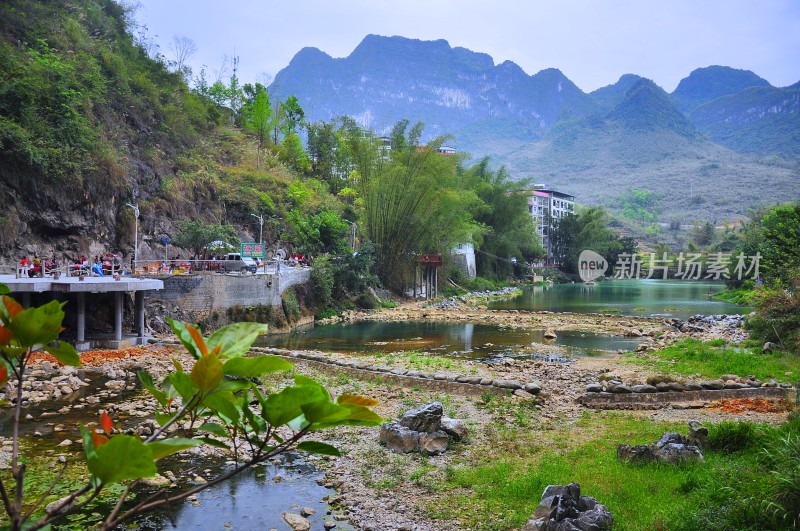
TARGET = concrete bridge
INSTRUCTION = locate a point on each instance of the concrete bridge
(204, 292)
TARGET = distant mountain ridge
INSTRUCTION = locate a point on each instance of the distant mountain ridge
(543, 125)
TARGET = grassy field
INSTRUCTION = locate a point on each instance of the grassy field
(498, 486)
(714, 358)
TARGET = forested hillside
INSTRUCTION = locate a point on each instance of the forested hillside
(89, 121)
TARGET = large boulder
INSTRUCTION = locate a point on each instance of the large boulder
(562, 508)
(671, 448)
(398, 438)
(423, 429)
(427, 418)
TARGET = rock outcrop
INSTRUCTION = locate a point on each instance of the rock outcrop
(424, 429)
(564, 509)
(672, 448)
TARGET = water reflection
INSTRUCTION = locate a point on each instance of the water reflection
(473, 341)
(663, 298)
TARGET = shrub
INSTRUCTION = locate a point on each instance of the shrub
(777, 315)
(322, 281)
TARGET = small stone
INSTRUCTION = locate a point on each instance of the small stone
(199, 479)
(307, 511)
(65, 442)
(296, 522)
(533, 388)
(594, 388)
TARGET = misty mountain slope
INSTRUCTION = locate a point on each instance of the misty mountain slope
(758, 120)
(452, 90)
(704, 85)
(597, 146)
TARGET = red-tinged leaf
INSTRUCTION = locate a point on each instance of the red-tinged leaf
(99, 439)
(12, 306)
(198, 340)
(3, 375)
(6, 335)
(106, 423)
(356, 400)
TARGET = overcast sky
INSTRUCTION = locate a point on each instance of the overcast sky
(593, 42)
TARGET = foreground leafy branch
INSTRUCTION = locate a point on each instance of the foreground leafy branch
(216, 402)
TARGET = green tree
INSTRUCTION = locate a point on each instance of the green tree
(586, 230)
(703, 233)
(195, 234)
(290, 116)
(293, 154)
(330, 155)
(258, 116)
(324, 232)
(638, 205)
(779, 243)
(508, 230)
(413, 201)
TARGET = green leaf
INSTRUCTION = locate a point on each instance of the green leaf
(324, 412)
(223, 404)
(183, 384)
(37, 326)
(147, 383)
(64, 352)
(213, 428)
(207, 373)
(182, 331)
(316, 447)
(255, 367)
(4, 290)
(282, 407)
(234, 386)
(124, 457)
(163, 418)
(213, 442)
(235, 339)
(165, 447)
(88, 443)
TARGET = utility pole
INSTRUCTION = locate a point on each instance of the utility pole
(260, 219)
(135, 237)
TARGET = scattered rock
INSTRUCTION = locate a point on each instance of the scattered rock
(564, 509)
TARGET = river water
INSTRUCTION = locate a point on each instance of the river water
(658, 298)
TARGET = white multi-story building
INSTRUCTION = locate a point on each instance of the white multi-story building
(547, 207)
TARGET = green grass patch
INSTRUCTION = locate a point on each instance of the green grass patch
(745, 297)
(713, 359)
(747, 480)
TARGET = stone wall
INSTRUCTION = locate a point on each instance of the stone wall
(204, 292)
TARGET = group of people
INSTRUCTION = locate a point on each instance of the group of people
(77, 265)
(37, 267)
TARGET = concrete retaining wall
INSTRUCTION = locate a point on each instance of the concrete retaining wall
(203, 292)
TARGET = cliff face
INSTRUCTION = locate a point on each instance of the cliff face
(88, 122)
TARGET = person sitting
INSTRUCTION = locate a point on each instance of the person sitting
(97, 268)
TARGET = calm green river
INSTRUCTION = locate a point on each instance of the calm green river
(659, 298)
